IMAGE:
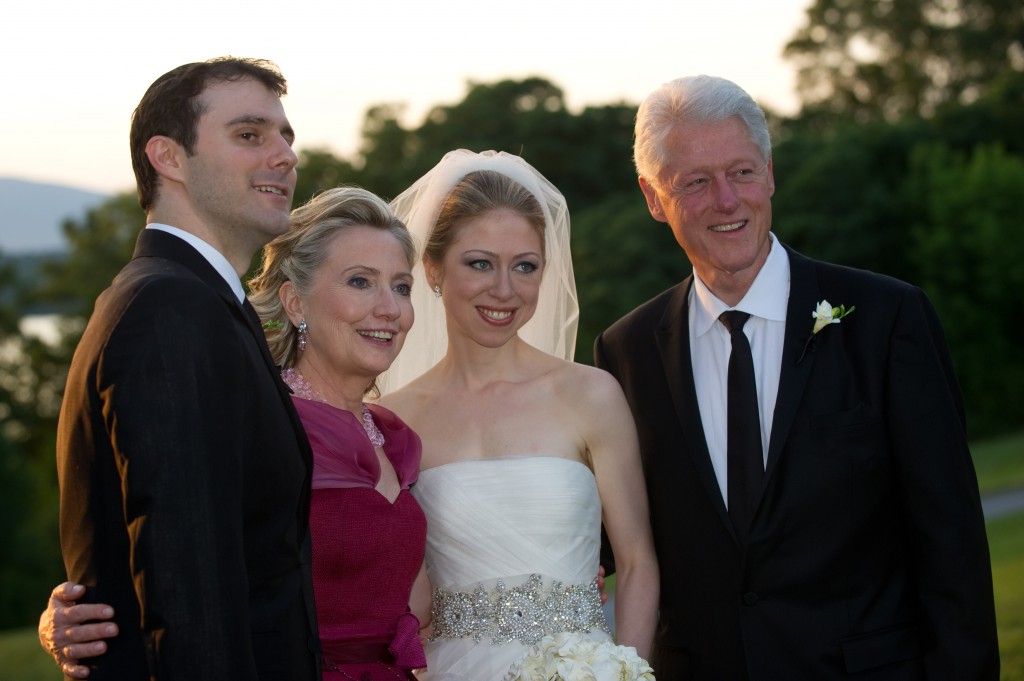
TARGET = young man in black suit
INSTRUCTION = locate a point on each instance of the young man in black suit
(183, 468)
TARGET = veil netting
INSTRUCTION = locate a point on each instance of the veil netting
(552, 327)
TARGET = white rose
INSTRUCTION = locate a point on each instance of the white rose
(572, 657)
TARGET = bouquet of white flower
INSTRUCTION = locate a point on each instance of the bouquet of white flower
(573, 657)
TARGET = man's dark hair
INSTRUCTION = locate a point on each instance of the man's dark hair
(172, 106)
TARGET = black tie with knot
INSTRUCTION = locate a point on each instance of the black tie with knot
(746, 462)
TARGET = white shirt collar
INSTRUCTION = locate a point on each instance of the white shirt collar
(767, 297)
(212, 255)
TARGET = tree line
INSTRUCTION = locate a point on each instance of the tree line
(906, 158)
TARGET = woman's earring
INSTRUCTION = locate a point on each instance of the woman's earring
(437, 291)
(303, 338)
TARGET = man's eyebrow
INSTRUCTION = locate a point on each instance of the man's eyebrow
(248, 118)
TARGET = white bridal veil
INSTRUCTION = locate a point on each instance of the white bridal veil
(552, 327)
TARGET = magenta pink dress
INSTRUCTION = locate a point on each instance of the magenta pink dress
(366, 550)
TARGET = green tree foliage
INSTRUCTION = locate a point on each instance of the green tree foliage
(934, 202)
(28, 507)
(995, 118)
(586, 155)
(621, 257)
(98, 247)
(31, 565)
(838, 195)
(969, 248)
(32, 373)
(318, 170)
(867, 60)
(32, 377)
(12, 395)
(506, 116)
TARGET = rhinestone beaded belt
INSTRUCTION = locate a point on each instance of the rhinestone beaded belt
(525, 613)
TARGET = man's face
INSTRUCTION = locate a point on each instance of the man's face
(241, 178)
(715, 193)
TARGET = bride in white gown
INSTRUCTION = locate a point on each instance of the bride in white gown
(525, 453)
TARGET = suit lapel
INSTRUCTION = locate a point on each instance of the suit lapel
(158, 244)
(155, 243)
(252, 320)
(256, 328)
(797, 356)
(673, 338)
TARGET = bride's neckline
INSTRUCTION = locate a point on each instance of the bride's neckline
(294, 380)
(506, 459)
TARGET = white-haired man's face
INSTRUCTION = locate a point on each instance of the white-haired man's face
(715, 193)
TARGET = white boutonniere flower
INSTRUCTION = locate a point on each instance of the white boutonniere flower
(825, 314)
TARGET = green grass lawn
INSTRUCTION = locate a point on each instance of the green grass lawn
(999, 462)
(1000, 465)
(21, 658)
(1006, 542)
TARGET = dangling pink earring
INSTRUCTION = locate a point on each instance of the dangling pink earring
(303, 338)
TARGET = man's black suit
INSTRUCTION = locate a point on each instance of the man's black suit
(184, 476)
(867, 556)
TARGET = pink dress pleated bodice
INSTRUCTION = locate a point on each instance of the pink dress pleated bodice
(367, 551)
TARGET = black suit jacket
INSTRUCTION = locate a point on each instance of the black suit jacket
(184, 477)
(867, 554)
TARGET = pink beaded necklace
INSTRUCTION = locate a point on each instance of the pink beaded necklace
(294, 380)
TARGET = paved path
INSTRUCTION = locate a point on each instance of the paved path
(1003, 503)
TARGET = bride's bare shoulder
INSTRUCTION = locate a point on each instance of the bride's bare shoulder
(411, 398)
(584, 378)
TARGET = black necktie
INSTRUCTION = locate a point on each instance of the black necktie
(746, 463)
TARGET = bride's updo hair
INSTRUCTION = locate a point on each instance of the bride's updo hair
(476, 194)
(298, 254)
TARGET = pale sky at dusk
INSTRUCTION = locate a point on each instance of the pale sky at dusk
(76, 70)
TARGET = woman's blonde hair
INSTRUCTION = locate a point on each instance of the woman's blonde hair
(299, 253)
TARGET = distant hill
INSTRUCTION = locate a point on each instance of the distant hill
(31, 214)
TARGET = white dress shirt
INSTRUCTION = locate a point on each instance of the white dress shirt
(710, 347)
(212, 255)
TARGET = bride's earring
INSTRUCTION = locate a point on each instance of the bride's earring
(437, 291)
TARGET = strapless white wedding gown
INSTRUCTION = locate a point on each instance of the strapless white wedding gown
(506, 539)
